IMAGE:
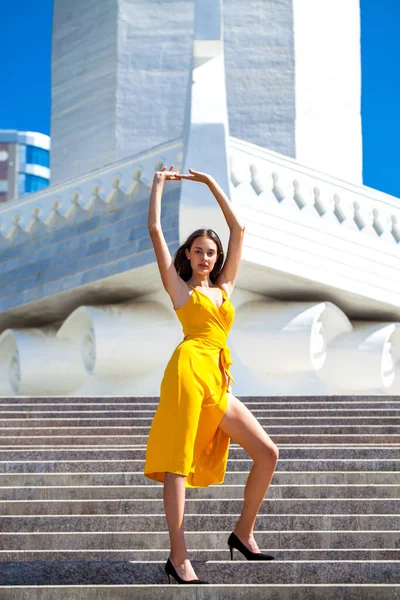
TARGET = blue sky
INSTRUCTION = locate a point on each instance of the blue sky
(25, 34)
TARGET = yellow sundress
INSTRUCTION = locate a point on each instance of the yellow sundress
(184, 436)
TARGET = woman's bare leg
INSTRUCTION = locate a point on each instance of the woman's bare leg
(244, 429)
(174, 504)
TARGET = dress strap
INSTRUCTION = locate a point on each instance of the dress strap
(222, 290)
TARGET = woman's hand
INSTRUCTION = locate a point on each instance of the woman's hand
(169, 174)
(198, 176)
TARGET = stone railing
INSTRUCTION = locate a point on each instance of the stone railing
(284, 183)
(99, 191)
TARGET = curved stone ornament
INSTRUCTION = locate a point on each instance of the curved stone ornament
(286, 337)
(123, 343)
(34, 361)
(365, 360)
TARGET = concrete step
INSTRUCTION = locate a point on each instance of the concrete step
(135, 400)
(140, 439)
(258, 409)
(341, 541)
(335, 419)
(214, 521)
(200, 506)
(142, 424)
(223, 572)
(326, 400)
(235, 452)
(366, 554)
(69, 431)
(148, 410)
(76, 507)
(296, 591)
(219, 491)
(127, 478)
(94, 466)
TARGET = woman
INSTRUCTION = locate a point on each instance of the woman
(197, 414)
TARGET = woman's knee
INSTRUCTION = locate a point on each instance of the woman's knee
(268, 453)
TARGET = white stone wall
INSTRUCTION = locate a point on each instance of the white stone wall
(154, 60)
(84, 80)
(260, 72)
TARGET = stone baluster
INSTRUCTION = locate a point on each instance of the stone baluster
(303, 196)
(134, 184)
(324, 206)
(286, 191)
(395, 229)
(364, 219)
(338, 210)
(298, 195)
(235, 173)
(96, 205)
(279, 194)
(383, 225)
(75, 213)
(138, 190)
(344, 211)
(55, 220)
(17, 234)
(249, 187)
(116, 198)
(257, 184)
(36, 227)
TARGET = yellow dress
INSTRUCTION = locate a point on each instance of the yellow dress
(184, 436)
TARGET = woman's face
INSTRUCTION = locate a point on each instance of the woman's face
(203, 255)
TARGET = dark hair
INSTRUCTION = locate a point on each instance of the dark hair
(182, 263)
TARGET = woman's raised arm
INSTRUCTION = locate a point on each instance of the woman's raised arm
(170, 278)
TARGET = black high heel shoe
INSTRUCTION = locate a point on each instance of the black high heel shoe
(171, 572)
(234, 542)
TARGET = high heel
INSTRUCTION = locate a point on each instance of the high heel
(171, 573)
(234, 542)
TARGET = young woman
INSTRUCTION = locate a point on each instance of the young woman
(197, 415)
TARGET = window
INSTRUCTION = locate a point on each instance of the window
(3, 186)
(21, 156)
(37, 156)
(21, 184)
(34, 183)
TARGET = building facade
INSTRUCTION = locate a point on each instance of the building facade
(24, 163)
(317, 299)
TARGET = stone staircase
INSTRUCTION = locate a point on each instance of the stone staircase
(78, 520)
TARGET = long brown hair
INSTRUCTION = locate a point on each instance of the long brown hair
(182, 263)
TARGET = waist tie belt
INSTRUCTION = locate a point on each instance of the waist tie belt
(224, 353)
(226, 361)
